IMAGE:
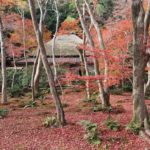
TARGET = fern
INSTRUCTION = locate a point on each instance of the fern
(50, 122)
(91, 132)
(134, 126)
(3, 112)
(112, 124)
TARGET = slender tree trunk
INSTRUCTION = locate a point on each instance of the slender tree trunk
(54, 38)
(59, 108)
(38, 62)
(3, 65)
(24, 42)
(15, 71)
(36, 77)
(87, 74)
(147, 85)
(85, 62)
(102, 47)
(81, 54)
(140, 59)
(38, 65)
(104, 98)
(140, 113)
(33, 86)
(21, 11)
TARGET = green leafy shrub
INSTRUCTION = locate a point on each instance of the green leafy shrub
(112, 124)
(61, 70)
(16, 91)
(21, 81)
(116, 91)
(103, 109)
(97, 108)
(3, 112)
(41, 93)
(134, 127)
(91, 132)
(105, 8)
(50, 122)
(127, 86)
(91, 100)
(31, 104)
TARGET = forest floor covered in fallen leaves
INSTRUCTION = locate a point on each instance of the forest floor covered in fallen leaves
(22, 129)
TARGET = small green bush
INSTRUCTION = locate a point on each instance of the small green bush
(116, 91)
(91, 100)
(134, 127)
(21, 81)
(112, 124)
(50, 122)
(31, 104)
(16, 91)
(127, 87)
(98, 108)
(105, 8)
(3, 112)
(91, 132)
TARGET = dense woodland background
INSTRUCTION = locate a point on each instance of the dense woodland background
(74, 74)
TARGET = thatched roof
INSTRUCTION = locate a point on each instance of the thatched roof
(66, 45)
(58, 60)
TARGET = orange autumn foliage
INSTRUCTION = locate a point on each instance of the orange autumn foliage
(70, 26)
(117, 39)
(15, 44)
(6, 2)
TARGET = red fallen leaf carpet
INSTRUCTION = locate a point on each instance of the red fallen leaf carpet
(22, 129)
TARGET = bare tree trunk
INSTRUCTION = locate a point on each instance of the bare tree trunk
(86, 72)
(140, 59)
(33, 86)
(3, 65)
(15, 71)
(36, 77)
(147, 85)
(54, 38)
(38, 65)
(38, 62)
(102, 47)
(59, 108)
(103, 96)
(81, 53)
(24, 42)
(86, 62)
(21, 11)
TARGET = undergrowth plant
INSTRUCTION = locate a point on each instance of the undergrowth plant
(3, 112)
(51, 122)
(31, 104)
(112, 124)
(19, 83)
(100, 108)
(134, 127)
(91, 132)
(91, 100)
